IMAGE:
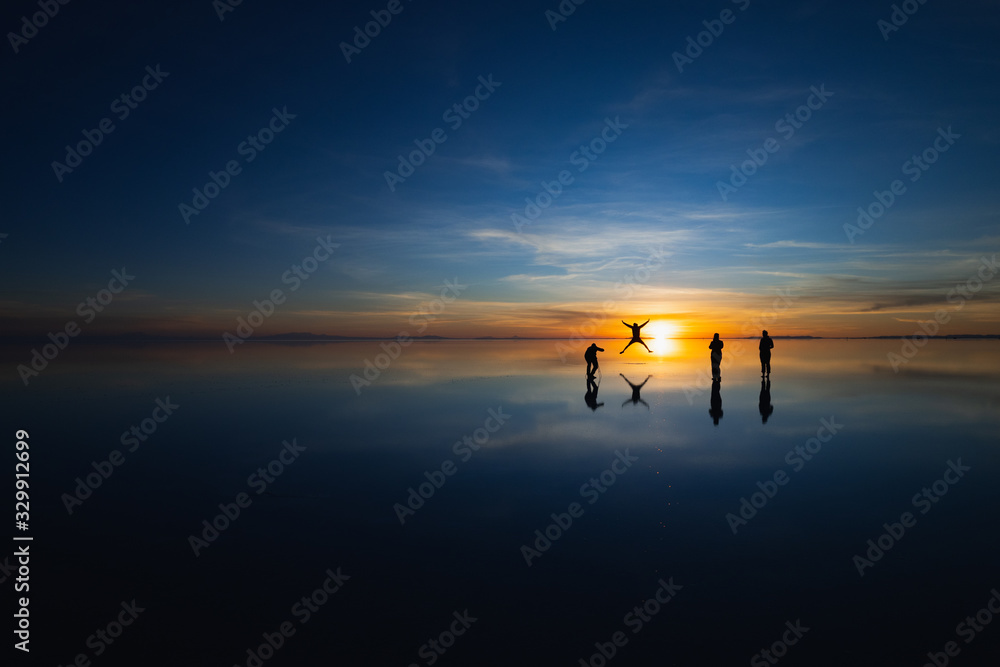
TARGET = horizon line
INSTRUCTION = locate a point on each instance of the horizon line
(140, 336)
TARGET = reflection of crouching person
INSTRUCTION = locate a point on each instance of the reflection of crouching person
(591, 356)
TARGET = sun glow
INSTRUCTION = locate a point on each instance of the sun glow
(661, 338)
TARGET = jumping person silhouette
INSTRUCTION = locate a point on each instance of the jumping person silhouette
(635, 335)
(591, 356)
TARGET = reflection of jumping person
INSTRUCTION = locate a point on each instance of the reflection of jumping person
(591, 356)
(716, 347)
(635, 335)
(765, 353)
(636, 397)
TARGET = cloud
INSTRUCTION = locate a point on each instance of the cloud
(803, 244)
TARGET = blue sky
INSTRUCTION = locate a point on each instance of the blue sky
(654, 188)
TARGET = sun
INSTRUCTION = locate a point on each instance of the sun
(661, 330)
(661, 337)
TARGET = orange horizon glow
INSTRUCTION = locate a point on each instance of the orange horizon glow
(566, 321)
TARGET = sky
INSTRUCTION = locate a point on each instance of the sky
(600, 166)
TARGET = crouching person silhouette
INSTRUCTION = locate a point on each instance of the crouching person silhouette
(591, 356)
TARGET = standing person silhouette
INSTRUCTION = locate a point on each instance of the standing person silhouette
(591, 356)
(635, 335)
(716, 347)
(765, 353)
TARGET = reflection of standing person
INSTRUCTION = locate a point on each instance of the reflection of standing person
(716, 347)
(636, 329)
(591, 356)
(765, 353)
(715, 409)
(765, 401)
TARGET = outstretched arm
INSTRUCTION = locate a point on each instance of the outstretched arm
(626, 323)
(644, 324)
(600, 349)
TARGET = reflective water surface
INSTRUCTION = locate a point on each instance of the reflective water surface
(703, 522)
